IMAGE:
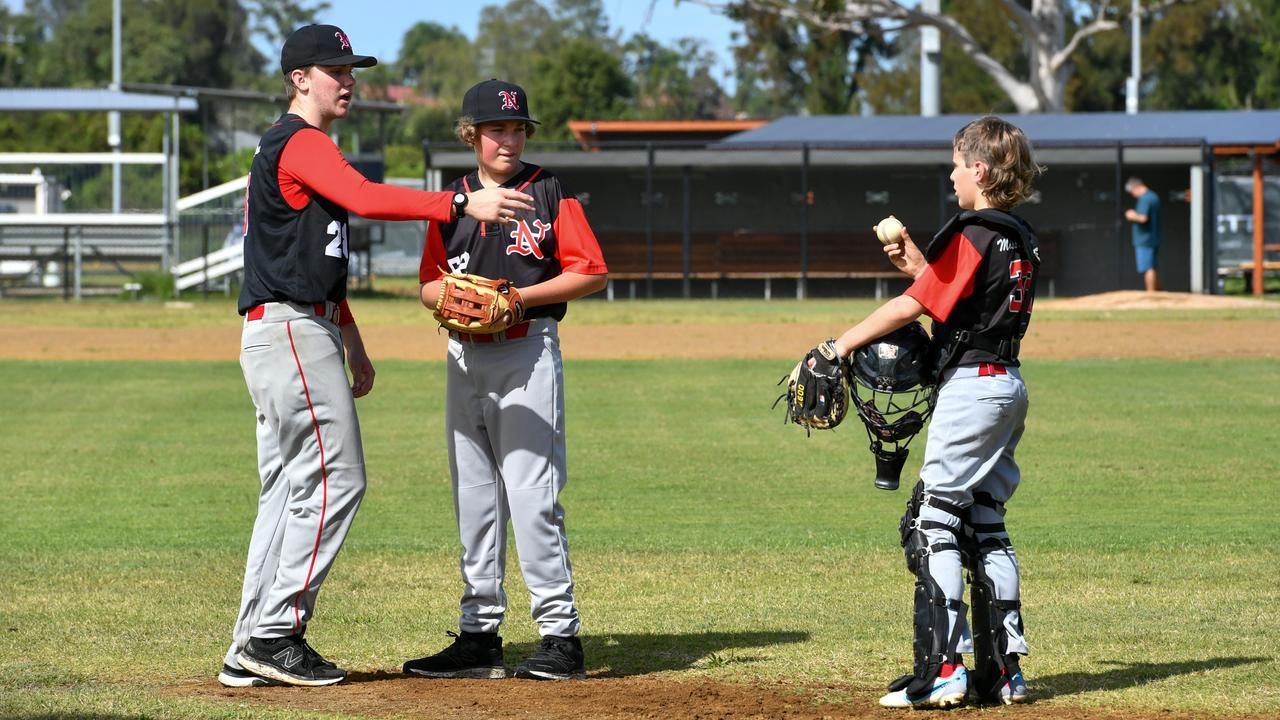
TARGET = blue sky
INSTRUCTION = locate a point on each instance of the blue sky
(376, 26)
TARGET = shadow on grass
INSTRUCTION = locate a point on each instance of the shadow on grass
(625, 655)
(1126, 675)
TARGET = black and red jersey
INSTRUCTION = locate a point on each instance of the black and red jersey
(295, 216)
(553, 238)
(290, 254)
(979, 286)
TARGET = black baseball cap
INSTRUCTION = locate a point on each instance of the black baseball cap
(496, 100)
(320, 45)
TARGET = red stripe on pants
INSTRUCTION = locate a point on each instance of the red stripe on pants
(324, 473)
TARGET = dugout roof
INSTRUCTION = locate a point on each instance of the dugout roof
(1064, 139)
(89, 100)
(1062, 130)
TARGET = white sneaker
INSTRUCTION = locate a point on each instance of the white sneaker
(949, 690)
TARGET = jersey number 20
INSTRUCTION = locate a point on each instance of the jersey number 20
(337, 247)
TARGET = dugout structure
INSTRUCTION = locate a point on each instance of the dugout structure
(788, 206)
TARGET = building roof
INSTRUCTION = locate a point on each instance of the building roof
(1214, 128)
(1077, 139)
(595, 134)
(197, 92)
(89, 100)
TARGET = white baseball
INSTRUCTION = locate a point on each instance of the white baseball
(889, 230)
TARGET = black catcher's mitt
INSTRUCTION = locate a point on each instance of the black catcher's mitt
(817, 389)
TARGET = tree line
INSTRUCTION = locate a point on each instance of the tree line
(789, 57)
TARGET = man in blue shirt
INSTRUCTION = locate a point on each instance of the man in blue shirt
(1145, 217)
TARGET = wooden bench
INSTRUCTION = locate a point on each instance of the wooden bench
(743, 255)
(1270, 268)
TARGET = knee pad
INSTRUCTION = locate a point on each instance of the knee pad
(915, 545)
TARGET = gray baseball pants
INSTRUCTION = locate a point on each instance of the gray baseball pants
(974, 431)
(311, 464)
(506, 437)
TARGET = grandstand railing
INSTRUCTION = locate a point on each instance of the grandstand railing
(48, 244)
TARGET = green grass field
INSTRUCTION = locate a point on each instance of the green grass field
(709, 540)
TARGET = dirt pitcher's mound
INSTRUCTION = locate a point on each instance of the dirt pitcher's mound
(386, 695)
(1139, 300)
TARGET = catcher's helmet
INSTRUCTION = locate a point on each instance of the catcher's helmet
(894, 394)
(896, 362)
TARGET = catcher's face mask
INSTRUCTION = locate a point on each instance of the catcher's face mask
(894, 393)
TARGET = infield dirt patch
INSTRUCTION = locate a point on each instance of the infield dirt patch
(386, 694)
(1049, 337)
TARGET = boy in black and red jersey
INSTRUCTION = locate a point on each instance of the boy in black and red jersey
(976, 280)
(505, 397)
(298, 335)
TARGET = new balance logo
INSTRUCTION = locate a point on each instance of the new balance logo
(289, 656)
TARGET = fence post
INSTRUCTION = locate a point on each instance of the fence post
(66, 262)
(204, 251)
(1119, 215)
(686, 289)
(79, 260)
(801, 289)
(648, 223)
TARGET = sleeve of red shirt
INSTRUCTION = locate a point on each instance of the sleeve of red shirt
(310, 163)
(948, 279)
(433, 255)
(579, 251)
(344, 313)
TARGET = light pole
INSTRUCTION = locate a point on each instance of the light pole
(930, 58)
(114, 139)
(1135, 60)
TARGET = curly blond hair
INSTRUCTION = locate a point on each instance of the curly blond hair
(1006, 151)
(467, 132)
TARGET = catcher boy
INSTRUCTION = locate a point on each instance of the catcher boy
(505, 424)
(976, 280)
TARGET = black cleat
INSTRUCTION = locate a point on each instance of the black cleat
(289, 660)
(557, 658)
(472, 655)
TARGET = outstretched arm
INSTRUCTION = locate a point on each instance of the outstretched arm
(311, 164)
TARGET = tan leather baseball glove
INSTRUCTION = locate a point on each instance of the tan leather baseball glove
(475, 304)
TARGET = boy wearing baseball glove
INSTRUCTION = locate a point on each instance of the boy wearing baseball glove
(501, 289)
(976, 280)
